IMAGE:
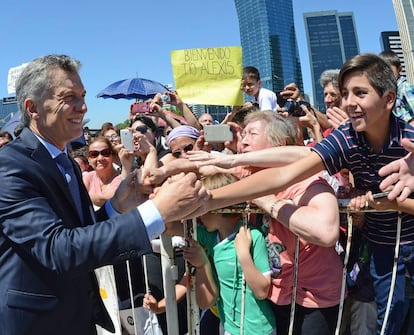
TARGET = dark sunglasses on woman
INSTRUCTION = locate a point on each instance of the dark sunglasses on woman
(187, 148)
(105, 153)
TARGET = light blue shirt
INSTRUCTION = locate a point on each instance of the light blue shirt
(150, 215)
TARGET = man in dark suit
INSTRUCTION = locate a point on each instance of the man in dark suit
(49, 246)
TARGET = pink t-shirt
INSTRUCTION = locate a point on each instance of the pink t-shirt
(98, 194)
(320, 268)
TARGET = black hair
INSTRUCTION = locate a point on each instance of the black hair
(145, 120)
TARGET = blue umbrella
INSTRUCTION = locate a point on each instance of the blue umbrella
(135, 88)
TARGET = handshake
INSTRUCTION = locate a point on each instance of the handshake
(179, 197)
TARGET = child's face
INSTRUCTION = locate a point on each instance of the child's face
(210, 221)
(250, 86)
(366, 109)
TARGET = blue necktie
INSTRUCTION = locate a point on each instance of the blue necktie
(66, 168)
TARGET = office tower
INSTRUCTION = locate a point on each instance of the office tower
(268, 40)
(404, 12)
(8, 107)
(390, 41)
(332, 39)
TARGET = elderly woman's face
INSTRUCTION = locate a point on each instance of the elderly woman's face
(181, 145)
(254, 137)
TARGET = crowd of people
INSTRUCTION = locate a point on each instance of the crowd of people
(273, 265)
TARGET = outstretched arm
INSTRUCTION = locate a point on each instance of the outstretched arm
(271, 157)
(268, 181)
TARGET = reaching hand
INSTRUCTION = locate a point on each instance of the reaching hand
(203, 158)
(336, 116)
(179, 196)
(399, 174)
(130, 193)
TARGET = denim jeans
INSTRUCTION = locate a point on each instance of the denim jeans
(382, 259)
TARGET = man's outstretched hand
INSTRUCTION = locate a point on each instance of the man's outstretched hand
(179, 196)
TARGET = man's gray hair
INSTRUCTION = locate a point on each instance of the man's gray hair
(329, 76)
(34, 81)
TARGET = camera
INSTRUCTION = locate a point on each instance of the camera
(165, 99)
(292, 106)
(218, 133)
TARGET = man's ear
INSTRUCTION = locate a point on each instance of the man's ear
(30, 108)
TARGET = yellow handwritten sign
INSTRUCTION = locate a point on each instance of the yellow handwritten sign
(210, 76)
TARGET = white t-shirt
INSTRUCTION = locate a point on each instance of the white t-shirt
(267, 99)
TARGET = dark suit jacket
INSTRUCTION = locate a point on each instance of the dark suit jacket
(47, 257)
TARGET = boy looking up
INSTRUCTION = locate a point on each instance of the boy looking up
(252, 85)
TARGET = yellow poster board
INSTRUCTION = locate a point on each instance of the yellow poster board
(208, 76)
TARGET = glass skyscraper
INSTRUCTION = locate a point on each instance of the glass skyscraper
(390, 41)
(332, 39)
(404, 12)
(8, 106)
(268, 40)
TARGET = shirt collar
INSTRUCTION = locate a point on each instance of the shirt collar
(53, 151)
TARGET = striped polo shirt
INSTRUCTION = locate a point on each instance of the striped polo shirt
(346, 148)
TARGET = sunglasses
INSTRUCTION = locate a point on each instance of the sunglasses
(142, 129)
(187, 148)
(112, 137)
(105, 153)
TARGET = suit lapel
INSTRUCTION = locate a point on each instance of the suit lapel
(42, 156)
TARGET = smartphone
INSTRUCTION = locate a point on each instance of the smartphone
(380, 195)
(126, 139)
(218, 133)
(139, 108)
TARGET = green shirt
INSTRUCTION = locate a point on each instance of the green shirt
(258, 317)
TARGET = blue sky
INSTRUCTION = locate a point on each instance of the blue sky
(128, 38)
